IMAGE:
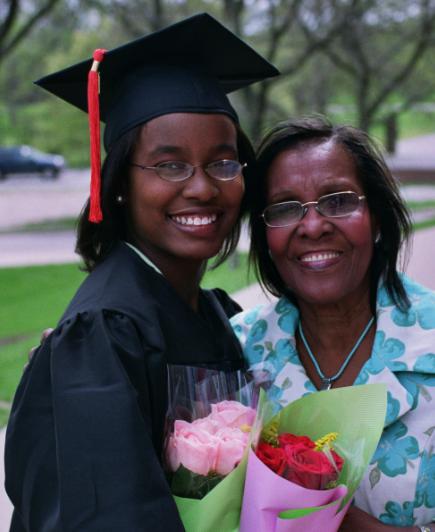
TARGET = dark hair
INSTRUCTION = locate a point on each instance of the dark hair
(95, 241)
(380, 188)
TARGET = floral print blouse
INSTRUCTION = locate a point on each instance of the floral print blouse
(399, 485)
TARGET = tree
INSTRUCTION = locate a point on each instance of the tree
(272, 27)
(379, 49)
(279, 37)
(17, 21)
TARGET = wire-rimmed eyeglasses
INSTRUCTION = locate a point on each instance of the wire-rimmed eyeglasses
(334, 205)
(223, 170)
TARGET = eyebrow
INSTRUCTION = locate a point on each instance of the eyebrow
(165, 149)
(336, 184)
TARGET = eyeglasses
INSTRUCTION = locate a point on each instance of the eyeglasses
(224, 170)
(334, 205)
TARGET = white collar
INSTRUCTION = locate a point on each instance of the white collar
(144, 257)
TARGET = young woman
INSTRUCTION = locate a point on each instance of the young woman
(84, 440)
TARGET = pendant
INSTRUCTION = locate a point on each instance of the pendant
(326, 384)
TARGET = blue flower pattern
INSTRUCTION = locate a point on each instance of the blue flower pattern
(385, 351)
(393, 409)
(426, 480)
(397, 515)
(403, 356)
(395, 449)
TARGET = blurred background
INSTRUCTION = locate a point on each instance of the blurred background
(368, 63)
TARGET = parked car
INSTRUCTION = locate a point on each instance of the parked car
(25, 160)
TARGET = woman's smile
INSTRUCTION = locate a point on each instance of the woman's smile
(319, 260)
(195, 220)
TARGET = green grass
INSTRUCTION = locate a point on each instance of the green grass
(34, 298)
(4, 416)
(13, 358)
(421, 205)
(229, 276)
(424, 225)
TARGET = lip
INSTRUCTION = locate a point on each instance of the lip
(201, 221)
(319, 259)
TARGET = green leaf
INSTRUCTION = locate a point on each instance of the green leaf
(286, 384)
(374, 477)
(184, 483)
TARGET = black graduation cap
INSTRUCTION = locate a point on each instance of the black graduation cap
(187, 67)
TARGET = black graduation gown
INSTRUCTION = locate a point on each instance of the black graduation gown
(84, 439)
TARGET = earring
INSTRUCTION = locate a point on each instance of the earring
(119, 199)
(377, 238)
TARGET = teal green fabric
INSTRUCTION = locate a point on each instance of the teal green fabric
(399, 485)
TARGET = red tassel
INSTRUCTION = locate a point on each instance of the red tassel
(95, 213)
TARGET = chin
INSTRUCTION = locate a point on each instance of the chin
(200, 253)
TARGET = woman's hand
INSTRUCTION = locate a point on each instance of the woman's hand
(357, 520)
(45, 334)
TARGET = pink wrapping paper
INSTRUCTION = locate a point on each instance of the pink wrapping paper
(267, 495)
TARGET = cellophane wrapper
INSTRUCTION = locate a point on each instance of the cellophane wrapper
(271, 503)
(208, 427)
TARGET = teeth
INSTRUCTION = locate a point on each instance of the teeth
(195, 220)
(319, 256)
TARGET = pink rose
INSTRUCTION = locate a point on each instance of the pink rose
(207, 424)
(232, 443)
(192, 447)
(232, 414)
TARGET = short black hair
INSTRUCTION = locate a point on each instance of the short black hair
(380, 188)
(95, 241)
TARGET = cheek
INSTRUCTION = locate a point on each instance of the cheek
(359, 230)
(277, 240)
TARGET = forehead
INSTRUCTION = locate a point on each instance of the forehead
(312, 167)
(188, 128)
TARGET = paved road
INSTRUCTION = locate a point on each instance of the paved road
(25, 199)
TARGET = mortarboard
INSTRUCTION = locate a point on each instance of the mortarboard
(189, 66)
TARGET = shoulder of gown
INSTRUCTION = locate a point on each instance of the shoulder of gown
(79, 451)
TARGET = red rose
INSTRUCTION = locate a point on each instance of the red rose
(292, 439)
(310, 468)
(272, 456)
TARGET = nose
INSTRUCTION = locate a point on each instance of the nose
(313, 225)
(200, 186)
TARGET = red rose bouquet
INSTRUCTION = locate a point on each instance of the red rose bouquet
(312, 465)
(301, 476)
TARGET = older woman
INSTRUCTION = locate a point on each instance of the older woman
(327, 224)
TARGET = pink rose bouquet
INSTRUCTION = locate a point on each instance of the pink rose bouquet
(201, 453)
(209, 422)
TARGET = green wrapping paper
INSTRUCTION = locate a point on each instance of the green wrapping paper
(219, 510)
(357, 413)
